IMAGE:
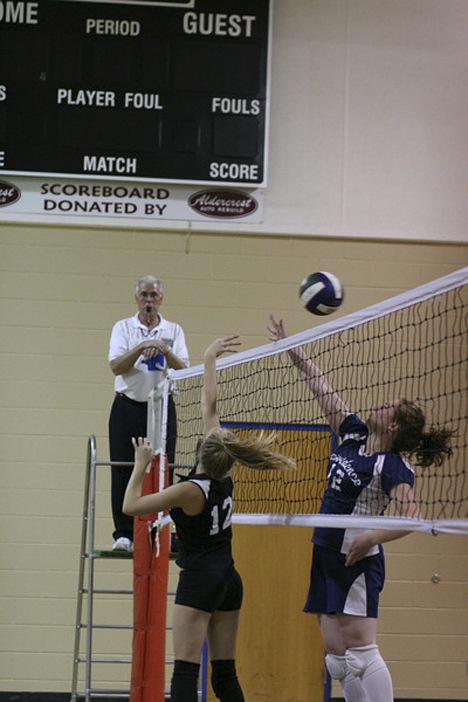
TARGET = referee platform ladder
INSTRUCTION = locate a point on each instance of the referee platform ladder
(89, 596)
(84, 658)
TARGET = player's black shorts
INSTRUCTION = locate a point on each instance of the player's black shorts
(210, 590)
(336, 588)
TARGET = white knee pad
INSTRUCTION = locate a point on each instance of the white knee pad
(363, 658)
(368, 667)
(336, 666)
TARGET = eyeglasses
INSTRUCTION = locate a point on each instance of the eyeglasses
(143, 295)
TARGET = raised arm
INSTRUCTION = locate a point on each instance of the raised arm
(209, 391)
(331, 404)
(185, 495)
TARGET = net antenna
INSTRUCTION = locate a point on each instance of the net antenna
(412, 346)
(157, 417)
(157, 411)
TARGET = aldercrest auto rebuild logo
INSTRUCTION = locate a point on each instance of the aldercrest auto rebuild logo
(222, 204)
(9, 194)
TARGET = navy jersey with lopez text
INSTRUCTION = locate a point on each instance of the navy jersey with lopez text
(205, 539)
(358, 483)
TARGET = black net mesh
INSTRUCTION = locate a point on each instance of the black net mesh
(415, 350)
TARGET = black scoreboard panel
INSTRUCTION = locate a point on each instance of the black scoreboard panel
(167, 91)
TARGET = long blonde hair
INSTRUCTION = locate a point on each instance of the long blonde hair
(220, 449)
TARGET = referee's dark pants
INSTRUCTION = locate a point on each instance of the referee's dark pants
(127, 419)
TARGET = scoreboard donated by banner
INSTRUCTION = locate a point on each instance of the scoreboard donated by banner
(166, 91)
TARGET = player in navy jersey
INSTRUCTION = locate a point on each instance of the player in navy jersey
(365, 473)
(209, 591)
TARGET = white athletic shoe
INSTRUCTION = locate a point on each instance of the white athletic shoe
(123, 544)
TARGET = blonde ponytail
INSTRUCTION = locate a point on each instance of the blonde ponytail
(221, 449)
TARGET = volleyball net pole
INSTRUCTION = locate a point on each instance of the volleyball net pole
(151, 565)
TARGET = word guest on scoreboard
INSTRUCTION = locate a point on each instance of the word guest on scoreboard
(148, 90)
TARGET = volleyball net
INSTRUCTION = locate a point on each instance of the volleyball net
(411, 346)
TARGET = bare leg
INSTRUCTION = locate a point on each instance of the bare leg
(189, 632)
(222, 634)
(342, 631)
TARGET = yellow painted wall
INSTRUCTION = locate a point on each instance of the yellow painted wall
(62, 290)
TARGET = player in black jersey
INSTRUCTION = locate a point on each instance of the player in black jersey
(209, 592)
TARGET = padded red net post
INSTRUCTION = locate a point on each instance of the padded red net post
(150, 573)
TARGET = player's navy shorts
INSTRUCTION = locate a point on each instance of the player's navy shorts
(210, 590)
(335, 587)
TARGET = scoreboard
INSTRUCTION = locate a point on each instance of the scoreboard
(135, 90)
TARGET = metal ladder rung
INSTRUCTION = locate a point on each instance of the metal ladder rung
(84, 625)
(108, 592)
(109, 555)
(124, 694)
(82, 659)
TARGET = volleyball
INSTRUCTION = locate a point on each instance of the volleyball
(321, 293)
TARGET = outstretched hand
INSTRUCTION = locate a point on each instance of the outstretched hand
(276, 329)
(143, 451)
(226, 344)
